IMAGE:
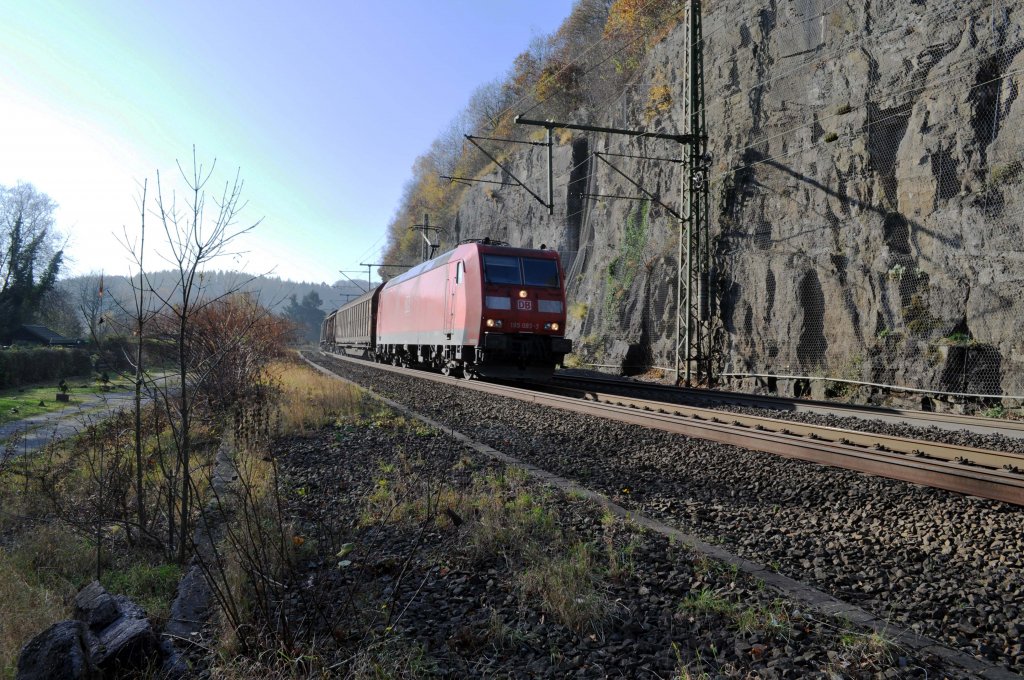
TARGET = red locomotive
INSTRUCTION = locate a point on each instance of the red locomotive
(482, 309)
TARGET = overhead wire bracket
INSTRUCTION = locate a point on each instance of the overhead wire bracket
(428, 252)
(549, 204)
(382, 265)
(471, 180)
(643, 158)
(693, 324)
(615, 196)
(509, 141)
(648, 194)
(682, 139)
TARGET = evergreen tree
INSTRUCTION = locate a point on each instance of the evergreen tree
(306, 315)
(21, 290)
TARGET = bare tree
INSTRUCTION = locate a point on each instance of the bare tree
(486, 106)
(90, 297)
(446, 150)
(140, 314)
(197, 233)
(58, 312)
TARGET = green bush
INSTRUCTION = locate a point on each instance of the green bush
(21, 366)
(1001, 173)
(151, 586)
(114, 354)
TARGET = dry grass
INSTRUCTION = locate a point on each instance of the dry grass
(865, 651)
(391, 658)
(38, 574)
(28, 609)
(619, 555)
(259, 545)
(517, 522)
(511, 521)
(399, 493)
(568, 585)
(506, 518)
(572, 361)
(271, 666)
(310, 400)
(254, 554)
(578, 311)
(772, 620)
(52, 556)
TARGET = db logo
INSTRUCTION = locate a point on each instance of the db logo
(524, 305)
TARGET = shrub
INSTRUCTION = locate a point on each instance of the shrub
(21, 366)
(560, 79)
(150, 586)
(1006, 172)
(578, 310)
(659, 100)
(640, 24)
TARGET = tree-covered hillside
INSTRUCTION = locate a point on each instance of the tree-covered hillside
(580, 70)
(88, 299)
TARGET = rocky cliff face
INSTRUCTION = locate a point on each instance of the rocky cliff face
(866, 192)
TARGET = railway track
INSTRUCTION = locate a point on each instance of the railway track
(940, 564)
(987, 474)
(697, 397)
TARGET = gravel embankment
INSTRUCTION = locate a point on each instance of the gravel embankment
(408, 598)
(947, 566)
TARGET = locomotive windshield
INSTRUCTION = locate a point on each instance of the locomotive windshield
(503, 269)
(518, 271)
(540, 272)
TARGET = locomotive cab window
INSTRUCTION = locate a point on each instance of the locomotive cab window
(502, 269)
(538, 272)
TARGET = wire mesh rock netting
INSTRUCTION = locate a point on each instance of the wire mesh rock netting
(866, 186)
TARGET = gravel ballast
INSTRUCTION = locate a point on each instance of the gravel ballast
(390, 593)
(940, 564)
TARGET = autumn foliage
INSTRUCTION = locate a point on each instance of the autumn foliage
(582, 67)
(235, 339)
(640, 24)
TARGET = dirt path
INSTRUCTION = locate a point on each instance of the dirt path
(31, 434)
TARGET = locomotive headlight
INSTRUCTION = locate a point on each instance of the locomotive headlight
(551, 326)
(522, 293)
(554, 326)
(493, 323)
(490, 323)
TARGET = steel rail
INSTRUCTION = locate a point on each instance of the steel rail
(945, 421)
(978, 481)
(880, 442)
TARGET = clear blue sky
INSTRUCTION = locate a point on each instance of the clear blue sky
(323, 105)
